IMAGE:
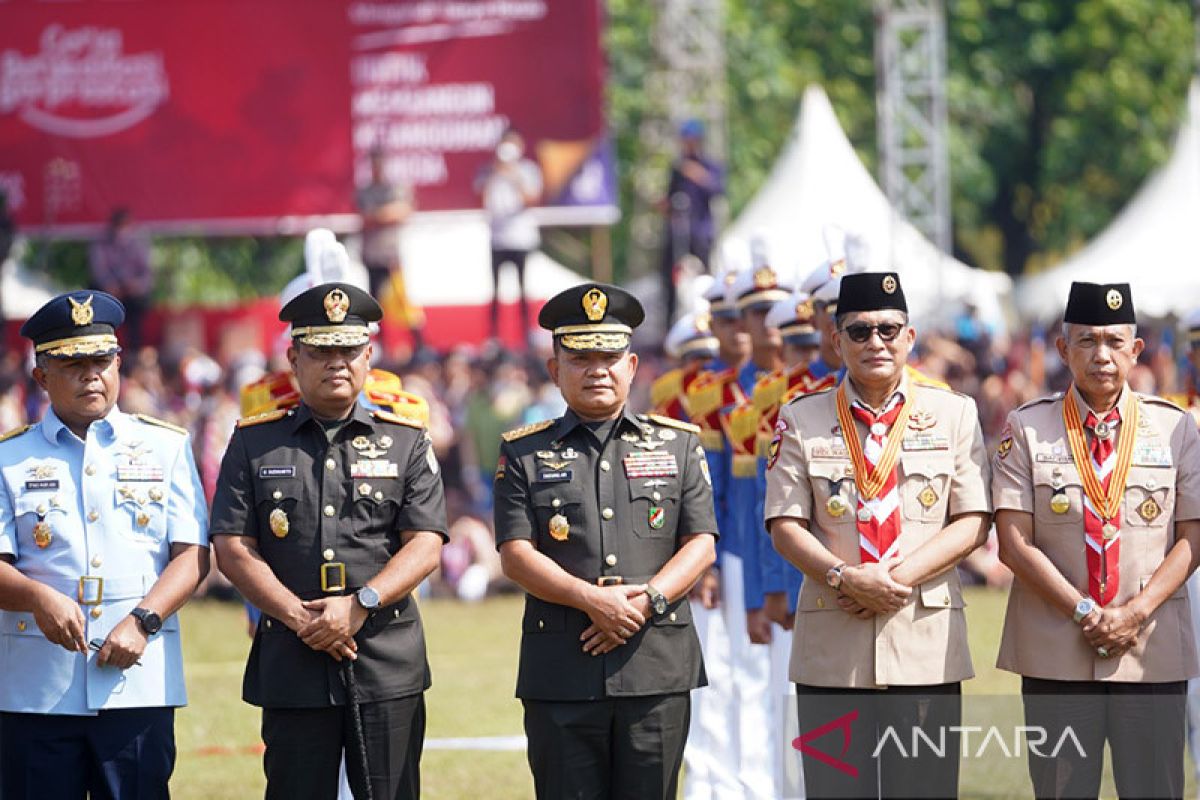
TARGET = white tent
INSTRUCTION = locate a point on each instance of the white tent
(21, 291)
(819, 181)
(1152, 244)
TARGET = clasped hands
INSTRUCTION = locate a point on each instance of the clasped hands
(328, 625)
(617, 613)
(1112, 631)
(871, 588)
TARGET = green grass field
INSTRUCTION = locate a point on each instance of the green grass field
(473, 654)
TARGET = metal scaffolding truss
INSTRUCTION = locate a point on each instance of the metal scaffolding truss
(688, 81)
(910, 63)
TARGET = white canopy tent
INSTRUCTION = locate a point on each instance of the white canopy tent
(819, 181)
(1152, 244)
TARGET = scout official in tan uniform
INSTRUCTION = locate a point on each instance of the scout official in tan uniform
(1097, 494)
(876, 490)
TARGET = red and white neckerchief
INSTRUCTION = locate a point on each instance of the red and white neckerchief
(879, 512)
(1103, 536)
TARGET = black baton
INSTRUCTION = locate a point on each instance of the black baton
(360, 739)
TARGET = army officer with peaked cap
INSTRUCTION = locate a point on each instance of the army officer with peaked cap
(605, 518)
(102, 539)
(327, 517)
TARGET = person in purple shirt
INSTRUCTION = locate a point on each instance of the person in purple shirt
(695, 180)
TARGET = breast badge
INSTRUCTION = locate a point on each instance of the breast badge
(927, 498)
(1059, 503)
(836, 505)
(657, 517)
(560, 528)
(1149, 509)
(42, 535)
(279, 523)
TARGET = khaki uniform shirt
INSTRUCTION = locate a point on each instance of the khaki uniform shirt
(1039, 640)
(925, 642)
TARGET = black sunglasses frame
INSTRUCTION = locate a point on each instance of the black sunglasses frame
(861, 332)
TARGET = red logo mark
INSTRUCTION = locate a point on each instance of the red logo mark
(843, 722)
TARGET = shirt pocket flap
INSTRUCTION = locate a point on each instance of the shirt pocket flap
(543, 617)
(654, 490)
(926, 466)
(556, 495)
(830, 470)
(939, 593)
(13, 624)
(678, 613)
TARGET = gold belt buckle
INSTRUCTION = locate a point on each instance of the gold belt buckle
(337, 570)
(609, 580)
(91, 590)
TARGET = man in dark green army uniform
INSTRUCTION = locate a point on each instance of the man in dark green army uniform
(327, 516)
(605, 518)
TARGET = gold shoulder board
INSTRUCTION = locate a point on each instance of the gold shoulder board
(162, 423)
(258, 419)
(673, 423)
(399, 419)
(526, 430)
(14, 433)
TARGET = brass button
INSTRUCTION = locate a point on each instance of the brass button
(820, 602)
(328, 554)
(329, 511)
(22, 625)
(656, 496)
(946, 600)
(97, 561)
(607, 513)
(364, 489)
(41, 509)
(379, 495)
(267, 623)
(672, 617)
(330, 464)
(611, 560)
(541, 624)
(396, 613)
(604, 465)
(93, 515)
(556, 502)
(90, 469)
(278, 495)
(96, 612)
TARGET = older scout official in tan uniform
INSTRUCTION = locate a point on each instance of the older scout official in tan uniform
(606, 519)
(876, 490)
(1097, 495)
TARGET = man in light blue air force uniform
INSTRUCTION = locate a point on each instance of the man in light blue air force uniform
(102, 539)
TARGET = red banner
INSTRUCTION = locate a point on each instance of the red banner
(241, 114)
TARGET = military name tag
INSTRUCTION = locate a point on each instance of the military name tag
(1053, 458)
(276, 472)
(925, 442)
(41, 486)
(829, 453)
(1151, 456)
(553, 475)
(139, 472)
(374, 469)
(650, 465)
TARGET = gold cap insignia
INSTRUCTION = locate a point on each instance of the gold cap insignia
(837, 268)
(337, 304)
(1114, 299)
(703, 323)
(595, 303)
(82, 313)
(804, 310)
(764, 278)
(730, 278)
(889, 284)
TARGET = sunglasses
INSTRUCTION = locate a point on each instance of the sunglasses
(861, 332)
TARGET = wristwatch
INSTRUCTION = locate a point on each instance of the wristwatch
(1084, 607)
(368, 598)
(658, 600)
(149, 622)
(834, 576)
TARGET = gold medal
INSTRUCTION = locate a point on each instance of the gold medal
(560, 528)
(1149, 509)
(279, 523)
(1109, 531)
(143, 519)
(1059, 503)
(42, 534)
(928, 497)
(836, 505)
(156, 494)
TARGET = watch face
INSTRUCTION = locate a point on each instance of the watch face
(368, 597)
(660, 605)
(150, 622)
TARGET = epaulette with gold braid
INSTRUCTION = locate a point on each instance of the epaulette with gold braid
(15, 432)
(673, 423)
(399, 419)
(526, 430)
(162, 423)
(258, 419)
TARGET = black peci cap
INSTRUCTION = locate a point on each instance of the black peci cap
(592, 316)
(331, 315)
(1100, 304)
(870, 291)
(76, 324)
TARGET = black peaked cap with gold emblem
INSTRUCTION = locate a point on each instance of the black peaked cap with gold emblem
(1100, 304)
(870, 291)
(332, 315)
(592, 316)
(75, 325)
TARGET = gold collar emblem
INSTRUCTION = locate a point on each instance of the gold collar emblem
(82, 313)
(337, 304)
(595, 303)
